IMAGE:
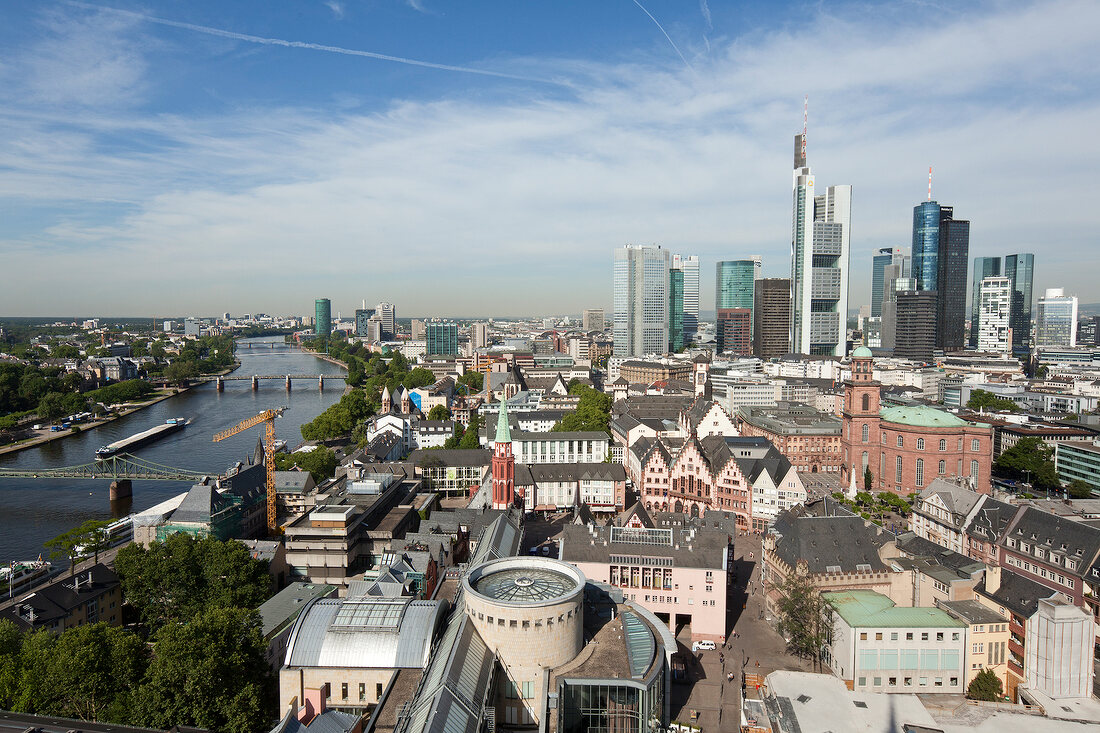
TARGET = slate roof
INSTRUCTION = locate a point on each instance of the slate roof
(991, 519)
(635, 510)
(285, 606)
(917, 547)
(1056, 535)
(774, 463)
(61, 597)
(691, 547)
(838, 541)
(958, 500)
(972, 611)
(330, 721)
(452, 457)
(1018, 594)
(200, 505)
(577, 472)
(293, 482)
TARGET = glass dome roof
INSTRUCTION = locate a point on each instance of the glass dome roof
(525, 584)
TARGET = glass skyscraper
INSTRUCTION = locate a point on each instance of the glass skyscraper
(676, 310)
(1020, 270)
(689, 265)
(735, 282)
(640, 300)
(322, 320)
(441, 338)
(879, 261)
(1056, 319)
(983, 267)
(941, 254)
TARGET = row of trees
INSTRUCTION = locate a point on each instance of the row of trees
(593, 412)
(1032, 460)
(320, 462)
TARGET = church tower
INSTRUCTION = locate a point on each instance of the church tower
(861, 420)
(503, 463)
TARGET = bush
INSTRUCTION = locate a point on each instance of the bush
(985, 686)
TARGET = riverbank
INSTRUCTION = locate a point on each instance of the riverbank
(324, 357)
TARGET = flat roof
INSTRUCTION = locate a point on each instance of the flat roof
(868, 609)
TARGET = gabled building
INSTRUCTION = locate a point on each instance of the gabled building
(93, 595)
(776, 486)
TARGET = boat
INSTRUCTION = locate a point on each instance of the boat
(16, 576)
(145, 436)
(118, 532)
(279, 446)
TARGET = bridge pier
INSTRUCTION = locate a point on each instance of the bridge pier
(219, 383)
(288, 383)
(122, 488)
(321, 383)
(255, 383)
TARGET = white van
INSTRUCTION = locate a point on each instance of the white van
(703, 645)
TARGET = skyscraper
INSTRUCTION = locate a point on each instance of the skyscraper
(983, 267)
(915, 333)
(441, 338)
(675, 310)
(734, 331)
(1020, 270)
(689, 265)
(592, 319)
(994, 307)
(941, 253)
(820, 237)
(926, 244)
(322, 322)
(734, 282)
(894, 282)
(388, 313)
(771, 314)
(640, 300)
(1056, 319)
(479, 336)
(362, 316)
(883, 257)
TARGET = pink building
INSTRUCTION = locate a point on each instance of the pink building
(681, 574)
(695, 476)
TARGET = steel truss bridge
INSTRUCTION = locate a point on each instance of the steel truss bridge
(123, 466)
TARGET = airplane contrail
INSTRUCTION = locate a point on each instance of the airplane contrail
(667, 36)
(221, 33)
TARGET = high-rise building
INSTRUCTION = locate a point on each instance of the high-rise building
(641, 297)
(675, 310)
(915, 332)
(734, 282)
(592, 319)
(941, 253)
(771, 316)
(893, 281)
(926, 244)
(1020, 269)
(689, 265)
(362, 315)
(388, 313)
(994, 307)
(820, 238)
(479, 335)
(441, 338)
(983, 267)
(417, 329)
(322, 322)
(734, 331)
(1056, 319)
(883, 257)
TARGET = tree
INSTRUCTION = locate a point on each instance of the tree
(179, 371)
(472, 437)
(51, 406)
(455, 440)
(176, 579)
(89, 537)
(868, 479)
(985, 686)
(419, 377)
(439, 412)
(320, 462)
(474, 381)
(1078, 489)
(593, 412)
(94, 672)
(210, 672)
(982, 399)
(804, 616)
(1029, 459)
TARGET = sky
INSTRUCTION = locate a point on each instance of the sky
(485, 157)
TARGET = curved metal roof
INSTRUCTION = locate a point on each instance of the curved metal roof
(921, 416)
(525, 584)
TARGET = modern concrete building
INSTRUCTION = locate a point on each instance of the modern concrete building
(1056, 319)
(479, 335)
(441, 338)
(734, 331)
(883, 257)
(387, 313)
(983, 267)
(771, 315)
(362, 318)
(915, 325)
(592, 319)
(1078, 461)
(993, 315)
(641, 298)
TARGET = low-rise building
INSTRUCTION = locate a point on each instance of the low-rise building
(810, 439)
(452, 472)
(987, 638)
(557, 486)
(93, 595)
(278, 614)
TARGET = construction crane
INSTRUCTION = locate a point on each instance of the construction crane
(267, 417)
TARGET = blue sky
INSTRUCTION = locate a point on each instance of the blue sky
(199, 157)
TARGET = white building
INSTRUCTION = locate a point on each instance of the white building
(1059, 663)
(387, 313)
(641, 296)
(1056, 319)
(819, 262)
(479, 336)
(995, 304)
(689, 265)
(776, 486)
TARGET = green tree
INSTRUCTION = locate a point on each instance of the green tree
(89, 538)
(1078, 489)
(804, 617)
(474, 381)
(593, 412)
(210, 672)
(419, 377)
(868, 479)
(179, 371)
(320, 462)
(94, 672)
(455, 440)
(982, 399)
(471, 438)
(1029, 459)
(11, 644)
(439, 412)
(985, 686)
(51, 406)
(176, 579)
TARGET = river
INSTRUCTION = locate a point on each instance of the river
(33, 511)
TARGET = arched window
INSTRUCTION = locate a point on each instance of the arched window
(866, 432)
(897, 470)
(901, 442)
(920, 443)
(920, 472)
(866, 402)
(943, 467)
(864, 464)
(943, 444)
(974, 469)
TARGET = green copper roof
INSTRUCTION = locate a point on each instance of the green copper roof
(868, 609)
(504, 433)
(862, 352)
(922, 416)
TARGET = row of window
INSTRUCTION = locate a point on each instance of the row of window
(909, 636)
(1041, 571)
(908, 681)
(362, 691)
(975, 444)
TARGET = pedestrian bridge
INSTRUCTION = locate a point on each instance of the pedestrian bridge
(255, 379)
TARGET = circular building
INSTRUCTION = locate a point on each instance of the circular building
(528, 610)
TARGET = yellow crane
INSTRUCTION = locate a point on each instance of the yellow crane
(267, 417)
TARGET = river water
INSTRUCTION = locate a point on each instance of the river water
(33, 511)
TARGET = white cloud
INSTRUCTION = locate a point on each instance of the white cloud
(469, 206)
(337, 8)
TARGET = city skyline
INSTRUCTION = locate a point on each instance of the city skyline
(194, 153)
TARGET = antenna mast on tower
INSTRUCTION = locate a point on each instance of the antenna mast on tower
(929, 183)
(805, 119)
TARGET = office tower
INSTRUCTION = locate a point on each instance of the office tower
(1056, 319)
(417, 329)
(689, 265)
(915, 331)
(1088, 331)
(735, 282)
(1020, 270)
(322, 322)
(675, 310)
(479, 335)
(640, 300)
(983, 267)
(941, 254)
(375, 330)
(883, 257)
(771, 316)
(441, 338)
(820, 237)
(734, 330)
(362, 315)
(894, 282)
(388, 314)
(592, 319)
(994, 308)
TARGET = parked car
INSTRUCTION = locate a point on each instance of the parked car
(703, 646)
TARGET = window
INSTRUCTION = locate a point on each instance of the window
(344, 690)
(939, 636)
(897, 470)
(866, 402)
(908, 681)
(862, 682)
(378, 690)
(893, 636)
(924, 682)
(901, 442)
(954, 682)
(866, 431)
(920, 472)
(920, 443)
(942, 468)
(878, 682)
(909, 636)
(975, 445)
(955, 636)
(924, 636)
(878, 636)
(363, 691)
(974, 469)
(863, 636)
(883, 436)
(893, 681)
(943, 444)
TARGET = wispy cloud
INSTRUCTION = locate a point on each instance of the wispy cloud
(337, 8)
(704, 8)
(417, 5)
(665, 33)
(271, 206)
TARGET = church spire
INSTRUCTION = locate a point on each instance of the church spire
(504, 432)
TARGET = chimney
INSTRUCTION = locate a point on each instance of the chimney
(992, 579)
(314, 704)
